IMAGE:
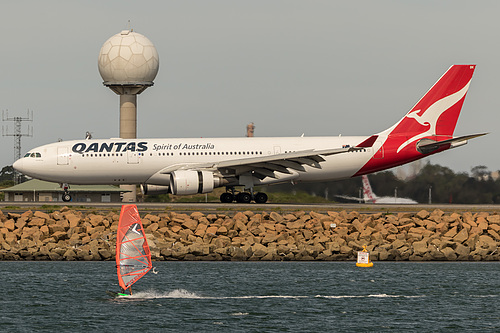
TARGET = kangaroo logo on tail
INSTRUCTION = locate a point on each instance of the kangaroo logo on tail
(431, 116)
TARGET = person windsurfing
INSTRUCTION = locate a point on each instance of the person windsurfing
(133, 257)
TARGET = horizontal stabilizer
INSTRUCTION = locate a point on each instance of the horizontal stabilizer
(426, 145)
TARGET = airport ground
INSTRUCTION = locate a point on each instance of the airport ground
(207, 208)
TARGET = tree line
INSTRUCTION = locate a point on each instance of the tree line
(439, 183)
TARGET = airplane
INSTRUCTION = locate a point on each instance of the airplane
(370, 197)
(185, 166)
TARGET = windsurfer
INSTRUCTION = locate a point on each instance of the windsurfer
(124, 291)
(133, 257)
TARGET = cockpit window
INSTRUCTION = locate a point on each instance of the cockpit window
(33, 155)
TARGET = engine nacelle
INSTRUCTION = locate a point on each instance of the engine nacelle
(159, 179)
(154, 189)
(184, 182)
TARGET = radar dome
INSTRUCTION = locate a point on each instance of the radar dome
(128, 58)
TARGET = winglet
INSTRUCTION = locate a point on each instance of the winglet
(368, 142)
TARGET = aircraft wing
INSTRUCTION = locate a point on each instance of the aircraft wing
(265, 166)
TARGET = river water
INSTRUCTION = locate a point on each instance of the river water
(253, 297)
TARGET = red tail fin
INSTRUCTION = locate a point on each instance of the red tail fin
(368, 194)
(434, 117)
(436, 114)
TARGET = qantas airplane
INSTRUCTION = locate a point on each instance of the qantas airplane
(370, 197)
(188, 166)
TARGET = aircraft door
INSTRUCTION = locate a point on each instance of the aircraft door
(277, 150)
(132, 157)
(379, 154)
(378, 149)
(62, 156)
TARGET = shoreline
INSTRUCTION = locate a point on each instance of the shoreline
(68, 235)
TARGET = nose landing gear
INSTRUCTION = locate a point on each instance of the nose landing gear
(66, 196)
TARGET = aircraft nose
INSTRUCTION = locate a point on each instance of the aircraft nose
(18, 165)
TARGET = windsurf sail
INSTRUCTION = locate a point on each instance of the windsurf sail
(133, 258)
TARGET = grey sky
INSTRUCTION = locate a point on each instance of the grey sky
(291, 67)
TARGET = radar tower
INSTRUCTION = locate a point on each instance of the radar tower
(128, 63)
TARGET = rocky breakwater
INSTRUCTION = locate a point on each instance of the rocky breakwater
(422, 236)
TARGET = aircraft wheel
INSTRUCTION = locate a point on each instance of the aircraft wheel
(260, 198)
(66, 197)
(226, 197)
(244, 197)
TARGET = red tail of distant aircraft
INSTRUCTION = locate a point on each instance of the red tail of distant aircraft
(370, 197)
(188, 166)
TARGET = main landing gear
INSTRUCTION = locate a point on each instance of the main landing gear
(243, 197)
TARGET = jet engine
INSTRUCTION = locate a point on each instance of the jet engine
(184, 182)
(154, 189)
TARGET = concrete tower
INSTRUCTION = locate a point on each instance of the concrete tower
(128, 63)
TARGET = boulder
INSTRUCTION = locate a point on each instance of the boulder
(398, 243)
(10, 225)
(494, 219)
(422, 215)
(239, 216)
(95, 220)
(276, 217)
(486, 242)
(238, 253)
(258, 251)
(176, 228)
(200, 230)
(420, 248)
(449, 253)
(41, 215)
(482, 224)
(295, 224)
(462, 252)
(451, 233)
(494, 234)
(461, 236)
(190, 224)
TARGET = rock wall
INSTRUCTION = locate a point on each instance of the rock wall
(422, 236)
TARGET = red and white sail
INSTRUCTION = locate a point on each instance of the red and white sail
(133, 257)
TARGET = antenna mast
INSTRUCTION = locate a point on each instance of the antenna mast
(17, 134)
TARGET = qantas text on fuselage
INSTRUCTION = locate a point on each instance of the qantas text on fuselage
(142, 146)
(189, 166)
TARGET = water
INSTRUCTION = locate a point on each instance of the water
(253, 297)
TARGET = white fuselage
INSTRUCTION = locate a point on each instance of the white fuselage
(136, 161)
(392, 200)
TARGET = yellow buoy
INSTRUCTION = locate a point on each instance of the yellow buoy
(364, 258)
